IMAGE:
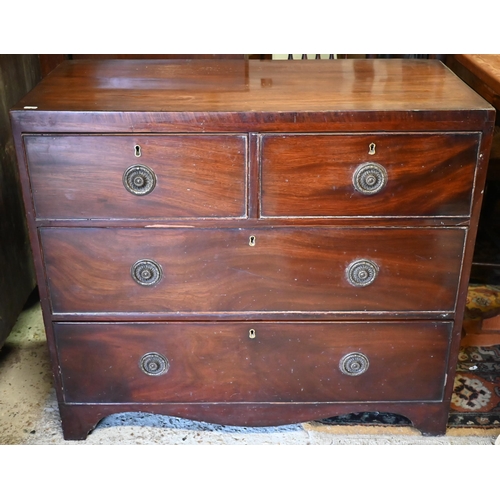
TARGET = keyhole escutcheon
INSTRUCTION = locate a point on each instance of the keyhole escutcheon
(137, 151)
(251, 241)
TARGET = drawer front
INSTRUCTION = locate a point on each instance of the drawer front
(275, 362)
(335, 175)
(267, 270)
(103, 177)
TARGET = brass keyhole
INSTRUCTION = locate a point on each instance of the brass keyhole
(251, 241)
(371, 148)
(137, 151)
(251, 333)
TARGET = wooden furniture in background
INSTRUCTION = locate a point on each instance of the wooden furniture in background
(482, 73)
(253, 243)
(18, 75)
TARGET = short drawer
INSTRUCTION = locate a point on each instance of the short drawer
(277, 270)
(384, 175)
(137, 176)
(263, 362)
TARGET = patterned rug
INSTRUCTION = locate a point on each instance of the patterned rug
(476, 396)
(483, 301)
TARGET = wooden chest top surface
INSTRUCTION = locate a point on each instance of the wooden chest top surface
(246, 86)
(228, 95)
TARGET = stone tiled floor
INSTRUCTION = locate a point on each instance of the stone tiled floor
(29, 413)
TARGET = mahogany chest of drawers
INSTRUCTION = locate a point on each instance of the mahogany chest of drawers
(252, 242)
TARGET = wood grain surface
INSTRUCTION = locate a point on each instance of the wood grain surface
(312, 175)
(288, 269)
(81, 176)
(285, 362)
(251, 85)
(230, 96)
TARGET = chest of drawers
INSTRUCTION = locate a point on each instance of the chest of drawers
(252, 242)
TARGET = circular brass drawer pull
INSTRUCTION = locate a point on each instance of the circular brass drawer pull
(139, 180)
(154, 364)
(361, 272)
(146, 272)
(354, 364)
(369, 178)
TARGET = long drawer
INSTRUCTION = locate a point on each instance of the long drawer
(262, 362)
(281, 269)
(308, 175)
(137, 176)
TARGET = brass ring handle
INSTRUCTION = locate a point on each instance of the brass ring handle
(369, 178)
(154, 364)
(361, 272)
(354, 364)
(146, 272)
(139, 180)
